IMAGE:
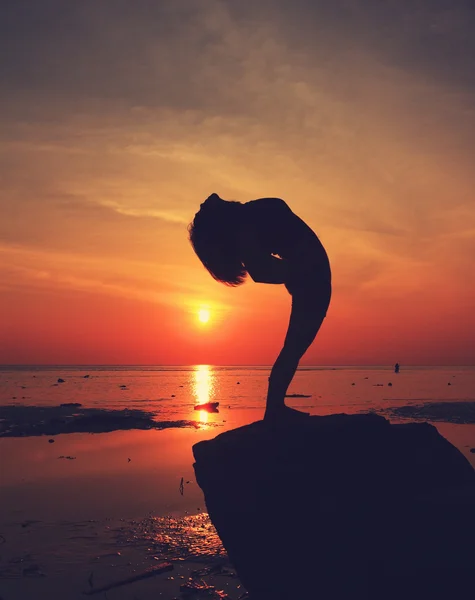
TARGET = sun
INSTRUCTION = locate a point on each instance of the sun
(203, 315)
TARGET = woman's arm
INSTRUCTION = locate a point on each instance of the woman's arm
(266, 268)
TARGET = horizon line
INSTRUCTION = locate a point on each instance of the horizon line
(243, 365)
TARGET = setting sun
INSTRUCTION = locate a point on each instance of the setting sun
(203, 315)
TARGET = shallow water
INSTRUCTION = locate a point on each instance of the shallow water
(123, 487)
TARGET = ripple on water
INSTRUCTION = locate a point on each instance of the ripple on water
(192, 536)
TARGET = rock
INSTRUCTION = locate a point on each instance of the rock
(211, 407)
(70, 405)
(60, 380)
(50, 441)
(342, 506)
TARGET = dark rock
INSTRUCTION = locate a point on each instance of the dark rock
(343, 506)
(472, 450)
(71, 404)
(60, 380)
(50, 441)
(211, 407)
(462, 412)
(86, 376)
(19, 421)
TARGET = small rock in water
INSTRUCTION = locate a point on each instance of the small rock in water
(60, 380)
(390, 384)
(86, 376)
(449, 383)
(50, 441)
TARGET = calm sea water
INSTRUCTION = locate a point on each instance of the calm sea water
(62, 510)
(160, 458)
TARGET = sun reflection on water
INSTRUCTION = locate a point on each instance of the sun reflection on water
(203, 388)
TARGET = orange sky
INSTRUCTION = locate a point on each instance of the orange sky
(115, 125)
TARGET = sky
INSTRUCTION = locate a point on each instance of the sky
(119, 117)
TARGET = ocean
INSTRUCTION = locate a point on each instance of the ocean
(66, 499)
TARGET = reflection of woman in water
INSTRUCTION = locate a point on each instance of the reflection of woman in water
(265, 239)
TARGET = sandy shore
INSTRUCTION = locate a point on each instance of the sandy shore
(144, 559)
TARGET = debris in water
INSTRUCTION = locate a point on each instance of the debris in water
(201, 589)
(163, 568)
(33, 571)
(50, 441)
(60, 380)
(389, 384)
(70, 404)
(67, 457)
(28, 522)
(208, 406)
(299, 395)
(86, 376)
(219, 569)
(181, 488)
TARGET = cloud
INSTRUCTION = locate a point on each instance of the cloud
(119, 118)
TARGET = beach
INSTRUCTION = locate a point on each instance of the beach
(81, 511)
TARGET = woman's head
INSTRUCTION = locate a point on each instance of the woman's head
(213, 237)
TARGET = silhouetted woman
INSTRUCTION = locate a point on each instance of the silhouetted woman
(265, 239)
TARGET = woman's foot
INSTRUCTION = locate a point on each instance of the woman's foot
(284, 413)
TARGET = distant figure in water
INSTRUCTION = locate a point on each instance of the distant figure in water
(265, 239)
(396, 368)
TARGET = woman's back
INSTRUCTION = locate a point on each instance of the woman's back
(277, 230)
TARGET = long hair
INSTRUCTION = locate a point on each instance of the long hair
(214, 240)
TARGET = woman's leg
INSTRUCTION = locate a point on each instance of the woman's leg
(305, 320)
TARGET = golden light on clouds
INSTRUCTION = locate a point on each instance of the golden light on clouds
(361, 118)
